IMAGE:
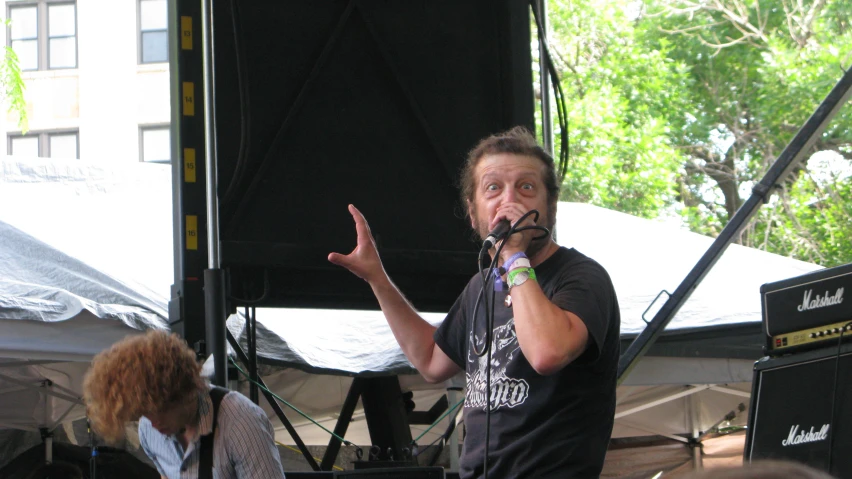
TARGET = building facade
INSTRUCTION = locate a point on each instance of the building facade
(97, 79)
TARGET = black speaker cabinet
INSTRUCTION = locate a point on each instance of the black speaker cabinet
(323, 103)
(800, 412)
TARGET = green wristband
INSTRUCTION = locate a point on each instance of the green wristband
(514, 280)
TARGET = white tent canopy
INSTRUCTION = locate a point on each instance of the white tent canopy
(119, 220)
(56, 313)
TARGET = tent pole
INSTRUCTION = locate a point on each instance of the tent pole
(454, 395)
(793, 153)
(696, 456)
(48, 449)
(694, 412)
(689, 391)
(42, 389)
(214, 277)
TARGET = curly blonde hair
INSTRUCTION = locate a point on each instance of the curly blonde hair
(139, 375)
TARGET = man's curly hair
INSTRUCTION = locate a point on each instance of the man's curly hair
(139, 375)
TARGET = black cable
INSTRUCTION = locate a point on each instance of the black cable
(490, 332)
(245, 118)
(558, 94)
(487, 279)
(294, 408)
(834, 394)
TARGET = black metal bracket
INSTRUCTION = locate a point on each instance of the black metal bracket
(241, 355)
(342, 425)
(387, 419)
(653, 303)
(432, 415)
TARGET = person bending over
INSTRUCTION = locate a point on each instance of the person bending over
(155, 378)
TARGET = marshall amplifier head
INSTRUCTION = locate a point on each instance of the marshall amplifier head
(800, 413)
(807, 311)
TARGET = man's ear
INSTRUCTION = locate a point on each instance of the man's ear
(470, 214)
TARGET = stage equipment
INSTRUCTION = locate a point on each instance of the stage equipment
(319, 105)
(807, 311)
(801, 410)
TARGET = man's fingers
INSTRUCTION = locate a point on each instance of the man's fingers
(337, 258)
(361, 226)
(360, 221)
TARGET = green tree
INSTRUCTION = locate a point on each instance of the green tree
(682, 106)
(620, 101)
(13, 85)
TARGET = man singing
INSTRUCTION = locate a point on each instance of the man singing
(555, 326)
(156, 379)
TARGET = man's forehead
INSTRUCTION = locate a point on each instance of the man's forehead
(495, 164)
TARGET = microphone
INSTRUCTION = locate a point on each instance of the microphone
(498, 233)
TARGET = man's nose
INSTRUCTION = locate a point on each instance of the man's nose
(510, 195)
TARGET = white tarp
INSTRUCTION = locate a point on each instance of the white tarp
(56, 312)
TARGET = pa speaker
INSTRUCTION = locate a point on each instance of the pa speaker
(801, 410)
(320, 104)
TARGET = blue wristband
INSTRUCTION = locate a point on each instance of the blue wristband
(498, 281)
(508, 264)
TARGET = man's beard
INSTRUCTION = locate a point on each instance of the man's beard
(546, 219)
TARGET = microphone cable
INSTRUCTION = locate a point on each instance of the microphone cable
(488, 279)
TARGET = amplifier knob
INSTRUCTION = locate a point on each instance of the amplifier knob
(812, 335)
(820, 333)
(836, 330)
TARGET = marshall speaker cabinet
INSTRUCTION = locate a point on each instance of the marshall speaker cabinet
(808, 311)
(802, 409)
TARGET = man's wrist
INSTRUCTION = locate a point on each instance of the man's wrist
(506, 254)
(380, 283)
(519, 276)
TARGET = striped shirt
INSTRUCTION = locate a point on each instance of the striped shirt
(243, 446)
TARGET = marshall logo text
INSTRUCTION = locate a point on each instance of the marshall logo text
(820, 301)
(800, 437)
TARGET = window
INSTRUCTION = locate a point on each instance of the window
(43, 33)
(156, 144)
(46, 144)
(24, 146)
(24, 35)
(153, 31)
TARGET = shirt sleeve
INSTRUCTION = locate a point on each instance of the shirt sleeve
(249, 438)
(144, 438)
(451, 335)
(587, 292)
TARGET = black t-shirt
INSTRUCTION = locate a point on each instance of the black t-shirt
(541, 426)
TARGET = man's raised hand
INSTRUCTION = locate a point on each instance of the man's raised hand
(364, 260)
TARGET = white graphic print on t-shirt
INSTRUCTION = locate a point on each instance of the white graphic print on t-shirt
(505, 391)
